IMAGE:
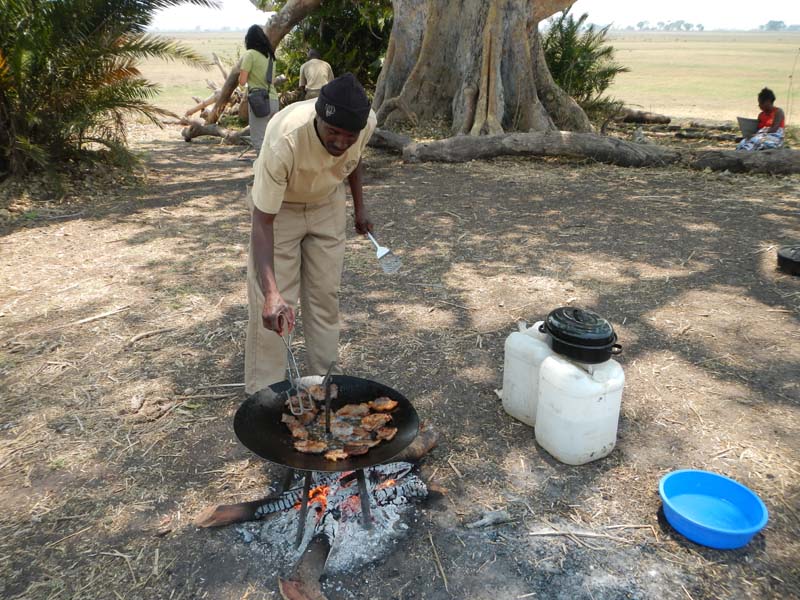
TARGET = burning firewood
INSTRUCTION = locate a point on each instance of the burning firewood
(297, 590)
(425, 441)
(227, 514)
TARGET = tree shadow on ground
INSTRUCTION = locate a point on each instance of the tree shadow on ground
(483, 245)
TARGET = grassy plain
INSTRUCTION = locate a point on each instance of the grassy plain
(709, 75)
(179, 82)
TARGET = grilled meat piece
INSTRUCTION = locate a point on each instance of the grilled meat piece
(308, 417)
(302, 398)
(359, 434)
(382, 404)
(353, 410)
(356, 449)
(386, 433)
(341, 428)
(372, 422)
(337, 454)
(311, 446)
(317, 392)
(295, 427)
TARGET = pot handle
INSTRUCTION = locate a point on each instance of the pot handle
(616, 349)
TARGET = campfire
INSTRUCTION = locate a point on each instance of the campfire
(335, 511)
(360, 506)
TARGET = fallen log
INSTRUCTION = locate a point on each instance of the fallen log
(712, 124)
(704, 135)
(195, 128)
(202, 104)
(218, 62)
(388, 140)
(603, 149)
(781, 161)
(629, 115)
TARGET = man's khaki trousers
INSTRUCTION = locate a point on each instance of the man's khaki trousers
(309, 256)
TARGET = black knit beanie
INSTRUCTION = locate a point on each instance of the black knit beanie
(343, 103)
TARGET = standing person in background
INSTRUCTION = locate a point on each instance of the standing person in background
(256, 72)
(314, 73)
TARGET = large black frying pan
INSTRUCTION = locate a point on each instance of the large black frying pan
(258, 426)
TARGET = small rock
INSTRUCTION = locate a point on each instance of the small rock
(189, 391)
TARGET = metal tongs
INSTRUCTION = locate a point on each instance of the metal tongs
(298, 404)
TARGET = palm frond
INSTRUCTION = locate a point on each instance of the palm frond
(69, 72)
(580, 59)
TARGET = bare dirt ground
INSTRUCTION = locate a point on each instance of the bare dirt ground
(112, 440)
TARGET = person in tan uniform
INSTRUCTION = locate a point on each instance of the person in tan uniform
(314, 73)
(298, 226)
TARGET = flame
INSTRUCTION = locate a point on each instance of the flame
(386, 484)
(318, 495)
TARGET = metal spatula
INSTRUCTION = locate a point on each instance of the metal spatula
(389, 262)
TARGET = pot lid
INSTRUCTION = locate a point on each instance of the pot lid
(578, 326)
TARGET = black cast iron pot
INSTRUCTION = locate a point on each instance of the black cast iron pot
(581, 335)
(789, 259)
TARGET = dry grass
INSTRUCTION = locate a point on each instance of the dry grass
(710, 75)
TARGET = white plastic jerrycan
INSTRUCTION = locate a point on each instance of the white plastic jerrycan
(524, 352)
(577, 411)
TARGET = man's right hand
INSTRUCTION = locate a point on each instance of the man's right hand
(277, 315)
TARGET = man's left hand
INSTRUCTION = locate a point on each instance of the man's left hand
(362, 222)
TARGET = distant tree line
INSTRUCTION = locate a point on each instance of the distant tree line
(681, 25)
(778, 26)
(669, 26)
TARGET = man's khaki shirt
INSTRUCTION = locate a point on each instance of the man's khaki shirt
(294, 166)
(315, 73)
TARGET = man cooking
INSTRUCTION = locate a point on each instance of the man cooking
(298, 226)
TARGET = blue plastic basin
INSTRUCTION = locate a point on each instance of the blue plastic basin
(711, 509)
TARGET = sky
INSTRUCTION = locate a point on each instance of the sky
(712, 14)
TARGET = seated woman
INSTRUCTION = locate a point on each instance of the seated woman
(771, 122)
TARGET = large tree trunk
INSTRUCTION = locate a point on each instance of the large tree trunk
(477, 66)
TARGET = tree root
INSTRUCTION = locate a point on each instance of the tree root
(602, 149)
(553, 143)
(388, 140)
(387, 111)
